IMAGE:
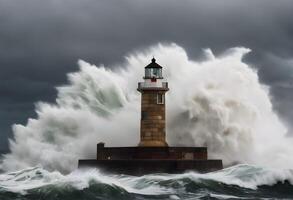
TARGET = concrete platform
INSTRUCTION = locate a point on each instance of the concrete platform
(145, 160)
(142, 167)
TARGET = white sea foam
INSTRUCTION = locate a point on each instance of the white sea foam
(33, 178)
(218, 103)
(246, 176)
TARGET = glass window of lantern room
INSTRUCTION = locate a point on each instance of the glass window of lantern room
(148, 72)
(155, 72)
(160, 73)
(160, 99)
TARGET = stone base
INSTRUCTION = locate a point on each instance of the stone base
(145, 160)
(142, 167)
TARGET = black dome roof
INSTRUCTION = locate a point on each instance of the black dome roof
(153, 64)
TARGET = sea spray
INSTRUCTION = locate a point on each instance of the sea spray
(218, 103)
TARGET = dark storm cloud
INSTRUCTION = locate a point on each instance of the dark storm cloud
(40, 41)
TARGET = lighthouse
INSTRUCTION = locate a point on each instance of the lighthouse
(153, 104)
(152, 154)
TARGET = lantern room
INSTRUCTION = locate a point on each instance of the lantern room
(153, 71)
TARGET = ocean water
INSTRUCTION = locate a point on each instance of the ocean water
(237, 182)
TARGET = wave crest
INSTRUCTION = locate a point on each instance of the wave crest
(237, 181)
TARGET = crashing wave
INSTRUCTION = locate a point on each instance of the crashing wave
(218, 103)
(234, 182)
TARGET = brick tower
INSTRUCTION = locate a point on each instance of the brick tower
(153, 122)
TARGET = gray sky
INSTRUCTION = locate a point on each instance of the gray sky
(40, 41)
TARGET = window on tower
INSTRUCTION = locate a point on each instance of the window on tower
(160, 99)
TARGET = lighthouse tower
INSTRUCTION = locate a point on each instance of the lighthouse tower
(153, 121)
